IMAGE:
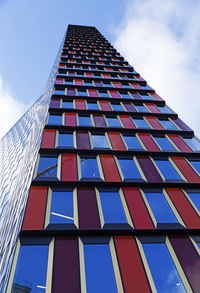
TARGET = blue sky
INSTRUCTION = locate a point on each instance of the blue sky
(162, 44)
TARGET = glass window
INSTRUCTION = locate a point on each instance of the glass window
(165, 109)
(113, 211)
(146, 97)
(193, 143)
(195, 198)
(99, 272)
(196, 165)
(104, 94)
(55, 119)
(113, 122)
(84, 120)
(99, 141)
(61, 207)
(65, 140)
(59, 92)
(67, 104)
(160, 207)
(117, 107)
(141, 108)
(164, 144)
(168, 124)
(92, 106)
(132, 143)
(89, 168)
(125, 96)
(129, 169)
(82, 93)
(47, 167)
(165, 276)
(31, 270)
(140, 123)
(167, 170)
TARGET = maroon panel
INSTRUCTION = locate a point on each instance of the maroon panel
(87, 207)
(188, 258)
(83, 141)
(156, 97)
(149, 169)
(66, 266)
(129, 107)
(99, 120)
(181, 124)
(116, 141)
(48, 140)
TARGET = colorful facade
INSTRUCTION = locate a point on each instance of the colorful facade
(114, 201)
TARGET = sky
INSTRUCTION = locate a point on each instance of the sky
(160, 39)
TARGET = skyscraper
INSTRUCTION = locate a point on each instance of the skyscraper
(100, 183)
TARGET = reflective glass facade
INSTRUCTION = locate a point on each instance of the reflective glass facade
(109, 199)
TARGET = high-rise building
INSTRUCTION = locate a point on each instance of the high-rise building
(100, 188)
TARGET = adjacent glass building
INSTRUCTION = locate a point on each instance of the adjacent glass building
(100, 188)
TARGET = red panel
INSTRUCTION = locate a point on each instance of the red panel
(117, 84)
(93, 93)
(137, 208)
(78, 82)
(108, 68)
(148, 142)
(180, 143)
(89, 74)
(59, 80)
(70, 119)
(106, 75)
(183, 206)
(48, 140)
(131, 267)
(135, 85)
(127, 121)
(114, 94)
(87, 209)
(35, 209)
(186, 170)
(110, 168)
(66, 266)
(69, 167)
(116, 141)
(154, 122)
(80, 104)
(105, 106)
(153, 108)
(156, 96)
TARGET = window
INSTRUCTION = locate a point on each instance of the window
(133, 143)
(113, 122)
(104, 94)
(55, 119)
(129, 169)
(117, 107)
(85, 121)
(47, 167)
(165, 109)
(165, 276)
(92, 106)
(89, 168)
(31, 270)
(160, 207)
(82, 93)
(112, 208)
(167, 170)
(193, 143)
(125, 96)
(67, 104)
(65, 140)
(99, 272)
(195, 198)
(141, 108)
(59, 92)
(140, 123)
(145, 97)
(196, 165)
(99, 141)
(164, 144)
(62, 211)
(168, 124)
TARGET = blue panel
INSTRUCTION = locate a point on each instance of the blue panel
(141, 108)
(99, 271)
(195, 197)
(31, 268)
(140, 123)
(125, 96)
(133, 143)
(164, 143)
(160, 208)
(65, 140)
(89, 168)
(67, 105)
(165, 110)
(84, 121)
(198, 243)
(113, 122)
(163, 270)
(104, 94)
(129, 169)
(47, 167)
(146, 97)
(193, 143)
(113, 211)
(82, 93)
(168, 124)
(196, 165)
(99, 141)
(62, 207)
(167, 170)
(55, 119)
(92, 106)
(117, 107)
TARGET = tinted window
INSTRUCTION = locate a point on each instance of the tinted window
(89, 168)
(65, 140)
(140, 123)
(99, 141)
(133, 143)
(168, 124)
(67, 105)
(196, 165)
(129, 169)
(164, 144)
(117, 107)
(55, 119)
(82, 93)
(113, 122)
(165, 109)
(167, 170)
(193, 143)
(93, 106)
(141, 109)
(85, 121)
(47, 167)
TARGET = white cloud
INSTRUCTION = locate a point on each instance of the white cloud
(10, 109)
(161, 39)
